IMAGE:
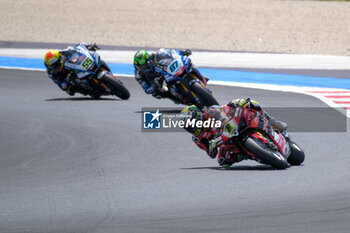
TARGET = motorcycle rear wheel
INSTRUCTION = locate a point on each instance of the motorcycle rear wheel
(207, 99)
(266, 154)
(117, 87)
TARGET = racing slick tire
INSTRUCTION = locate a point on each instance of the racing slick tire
(266, 154)
(297, 155)
(117, 87)
(206, 98)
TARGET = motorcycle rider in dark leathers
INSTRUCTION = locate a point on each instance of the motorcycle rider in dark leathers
(210, 140)
(151, 80)
(64, 78)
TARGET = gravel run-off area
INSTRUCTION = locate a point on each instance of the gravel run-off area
(301, 27)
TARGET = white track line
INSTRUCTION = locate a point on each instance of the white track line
(319, 93)
(220, 59)
(238, 60)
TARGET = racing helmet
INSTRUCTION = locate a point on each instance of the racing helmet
(245, 103)
(142, 60)
(192, 113)
(237, 102)
(53, 59)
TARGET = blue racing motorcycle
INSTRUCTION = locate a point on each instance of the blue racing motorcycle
(180, 79)
(92, 72)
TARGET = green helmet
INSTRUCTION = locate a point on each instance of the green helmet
(142, 60)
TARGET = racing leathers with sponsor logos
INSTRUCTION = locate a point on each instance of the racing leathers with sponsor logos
(64, 78)
(146, 75)
(212, 140)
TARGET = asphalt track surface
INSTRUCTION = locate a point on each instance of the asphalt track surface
(72, 164)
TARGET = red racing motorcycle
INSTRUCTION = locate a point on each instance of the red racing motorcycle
(250, 134)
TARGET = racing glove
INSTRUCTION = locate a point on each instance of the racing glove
(252, 104)
(186, 52)
(93, 47)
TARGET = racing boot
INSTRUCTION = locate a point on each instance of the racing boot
(224, 163)
(229, 159)
(95, 94)
(70, 90)
(84, 93)
(86, 90)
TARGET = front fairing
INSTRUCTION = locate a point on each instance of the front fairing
(261, 124)
(81, 61)
(281, 142)
(173, 65)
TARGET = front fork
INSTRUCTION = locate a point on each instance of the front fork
(186, 83)
(96, 79)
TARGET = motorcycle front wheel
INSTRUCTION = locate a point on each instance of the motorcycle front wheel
(266, 154)
(116, 86)
(206, 98)
(297, 155)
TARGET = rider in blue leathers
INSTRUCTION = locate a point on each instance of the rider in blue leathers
(64, 78)
(149, 78)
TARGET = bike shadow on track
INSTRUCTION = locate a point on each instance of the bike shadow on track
(234, 168)
(82, 99)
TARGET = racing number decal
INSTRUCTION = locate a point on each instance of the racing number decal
(229, 128)
(174, 66)
(86, 64)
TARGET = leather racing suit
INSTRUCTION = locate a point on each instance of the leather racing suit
(66, 79)
(151, 80)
